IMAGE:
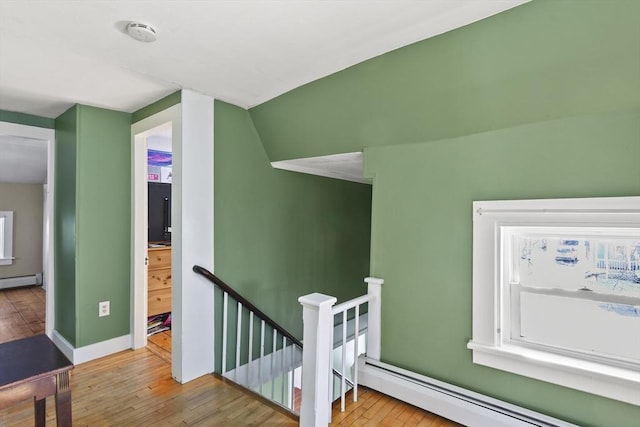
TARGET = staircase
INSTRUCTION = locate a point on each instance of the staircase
(263, 357)
(254, 351)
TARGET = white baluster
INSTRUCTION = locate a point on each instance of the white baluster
(343, 383)
(225, 310)
(283, 389)
(250, 347)
(238, 342)
(261, 353)
(356, 329)
(273, 363)
(290, 387)
(214, 330)
(332, 377)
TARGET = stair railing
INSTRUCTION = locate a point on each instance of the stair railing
(320, 318)
(279, 355)
(264, 365)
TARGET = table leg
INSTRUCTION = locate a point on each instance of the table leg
(40, 411)
(63, 400)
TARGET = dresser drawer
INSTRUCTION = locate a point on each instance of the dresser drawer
(159, 278)
(159, 301)
(159, 257)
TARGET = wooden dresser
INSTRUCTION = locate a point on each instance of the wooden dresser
(159, 296)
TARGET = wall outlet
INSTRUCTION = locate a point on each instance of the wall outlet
(104, 308)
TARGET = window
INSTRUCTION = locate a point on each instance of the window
(6, 237)
(569, 288)
(556, 292)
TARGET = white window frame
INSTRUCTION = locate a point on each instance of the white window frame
(6, 237)
(489, 346)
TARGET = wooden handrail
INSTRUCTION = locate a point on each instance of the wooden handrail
(245, 302)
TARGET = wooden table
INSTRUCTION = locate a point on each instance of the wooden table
(34, 368)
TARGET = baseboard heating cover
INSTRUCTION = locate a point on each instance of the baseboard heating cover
(14, 282)
(455, 403)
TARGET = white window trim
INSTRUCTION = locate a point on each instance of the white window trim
(6, 255)
(487, 344)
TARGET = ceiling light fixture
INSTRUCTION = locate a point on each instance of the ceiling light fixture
(141, 32)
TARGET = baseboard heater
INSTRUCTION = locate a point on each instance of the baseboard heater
(449, 401)
(14, 282)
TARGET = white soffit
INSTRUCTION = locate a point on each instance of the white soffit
(345, 166)
(60, 52)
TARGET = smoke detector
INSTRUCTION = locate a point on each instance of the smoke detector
(141, 32)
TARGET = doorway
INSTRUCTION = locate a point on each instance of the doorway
(159, 250)
(152, 207)
(31, 169)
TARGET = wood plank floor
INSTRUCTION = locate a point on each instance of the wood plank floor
(21, 313)
(135, 388)
(377, 409)
(160, 344)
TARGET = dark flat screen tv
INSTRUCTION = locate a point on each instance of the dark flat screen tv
(159, 209)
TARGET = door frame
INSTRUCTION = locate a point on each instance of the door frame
(139, 201)
(48, 252)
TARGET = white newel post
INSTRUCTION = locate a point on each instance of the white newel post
(375, 317)
(317, 317)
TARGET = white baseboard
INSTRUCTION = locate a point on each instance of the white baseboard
(92, 351)
(65, 347)
(13, 282)
(455, 403)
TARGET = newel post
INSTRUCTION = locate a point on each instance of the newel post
(375, 317)
(315, 408)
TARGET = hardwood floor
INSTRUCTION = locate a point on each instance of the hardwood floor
(377, 409)
(135, 388)
(21, 313)
(160, 344)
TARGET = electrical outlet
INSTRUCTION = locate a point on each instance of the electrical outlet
(104, 308)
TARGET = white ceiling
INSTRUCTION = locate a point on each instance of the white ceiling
(56, 53)
(23, 160)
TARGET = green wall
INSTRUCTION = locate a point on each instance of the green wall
(279, 234)
(545, 59)
(156, 107)
(26, 119)
(422, 240)
(64, 226)
(92, 223)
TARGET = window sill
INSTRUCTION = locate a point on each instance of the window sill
(603, 380)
